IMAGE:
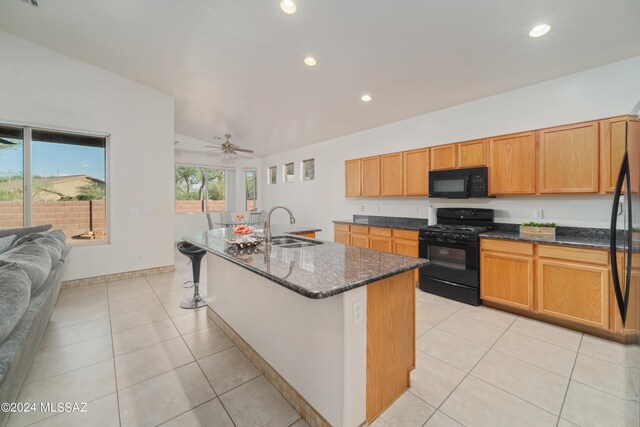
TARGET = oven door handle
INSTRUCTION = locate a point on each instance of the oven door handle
(467, 180)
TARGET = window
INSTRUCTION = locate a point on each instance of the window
(308, 170)
(63, 183)
(273, 174)
(288, 172)
(251, 189)
(195, 185)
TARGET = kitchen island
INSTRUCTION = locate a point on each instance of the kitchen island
(332, 325)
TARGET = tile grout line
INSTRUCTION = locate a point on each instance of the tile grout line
(197, 364)
(566, 391)
(113, 351)
(464, 378)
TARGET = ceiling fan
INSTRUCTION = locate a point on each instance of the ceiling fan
(228, 149)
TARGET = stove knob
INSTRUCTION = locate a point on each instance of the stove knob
(456, 237)
(464, 237)
(445, 235)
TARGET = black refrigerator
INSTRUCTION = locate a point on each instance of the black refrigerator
(625, 249)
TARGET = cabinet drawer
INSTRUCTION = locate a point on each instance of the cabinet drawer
(507, 246)
(405, 234)
(591, 256)
(360, 229)
(380, 231)
(341, 227)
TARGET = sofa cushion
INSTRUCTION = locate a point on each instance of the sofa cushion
(23, 231)
(33, 259)
(15, 290)
(6, 242)
(53, 241)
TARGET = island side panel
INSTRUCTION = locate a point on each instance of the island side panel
(311, 343)
(390, 340)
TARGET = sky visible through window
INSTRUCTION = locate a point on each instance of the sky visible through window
(55, 159)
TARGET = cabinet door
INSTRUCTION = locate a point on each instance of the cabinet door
(443, 157)
(370, 176)
(359, 240)
(507, 279)
(472, 153)
(569, 159)
(512, 164)
(379, 243)
(612, 141)
(391, 174)
(352, 178)
(341, 237)
(416, 172)
(573, 291)
(405, 247)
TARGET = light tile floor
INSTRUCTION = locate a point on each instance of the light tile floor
(128, 350)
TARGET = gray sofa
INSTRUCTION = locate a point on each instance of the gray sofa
(33, 266)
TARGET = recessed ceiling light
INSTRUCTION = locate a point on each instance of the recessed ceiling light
(539, 30)
(310, 61)
(366, 97)
(288, 7)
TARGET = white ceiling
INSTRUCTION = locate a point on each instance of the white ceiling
(236, 65)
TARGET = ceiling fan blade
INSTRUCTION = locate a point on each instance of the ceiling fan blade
(243, 150)
(213, 146)
(4, 141)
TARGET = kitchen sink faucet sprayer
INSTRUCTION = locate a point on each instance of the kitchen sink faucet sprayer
(267, 225)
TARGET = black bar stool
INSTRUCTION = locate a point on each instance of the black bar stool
(195, 254)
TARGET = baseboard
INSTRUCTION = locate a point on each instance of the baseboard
(303, 407)
(76, 283)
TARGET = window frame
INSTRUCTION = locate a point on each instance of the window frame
(206, 187)
(303, 170)
(285, 175)
(275, 180)
(255, 189)
(27, 177)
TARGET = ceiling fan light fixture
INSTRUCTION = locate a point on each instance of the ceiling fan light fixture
(288, 7)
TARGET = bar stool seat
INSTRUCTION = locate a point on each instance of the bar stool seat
(194, 253)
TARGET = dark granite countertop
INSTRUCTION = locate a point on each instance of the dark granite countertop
(386, 222)
(315, 272)
(597, 238)
(277, 229)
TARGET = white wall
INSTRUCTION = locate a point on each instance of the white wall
(601, 92)
(42, 87)
(189, 224)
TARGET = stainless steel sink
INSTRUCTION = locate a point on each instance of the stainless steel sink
(292, 242)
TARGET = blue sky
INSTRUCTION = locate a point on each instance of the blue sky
(53, 159)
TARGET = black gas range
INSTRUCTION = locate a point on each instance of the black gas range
(453, 250)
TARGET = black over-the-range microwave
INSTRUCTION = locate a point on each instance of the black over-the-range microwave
(459, 183)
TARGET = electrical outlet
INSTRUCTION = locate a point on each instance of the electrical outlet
(361, 208)
(417, 210)
(140, 256)
(357, 312)
(378, 209)
(537, 214)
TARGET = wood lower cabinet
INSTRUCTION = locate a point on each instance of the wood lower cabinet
(573, 291)
(416, 172)
(569, 159)
(506, 273)
(512, 164)
(380, 243)
(370, 176)
(341, 237)
(352, 184)
(391, 175)
(472, 153)
(359, 240)
(443, 157)
(568, 285)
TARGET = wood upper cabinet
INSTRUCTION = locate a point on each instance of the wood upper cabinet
(443, 157)
(612, 143)
(391, 172)
(569, 159)
(370, 176)
(352, 177)
(472, 153)
(506, 273)
(416, 172)
(573, 290)
(512, 164)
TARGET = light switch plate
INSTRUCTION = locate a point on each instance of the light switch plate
(538, 214)
(357, 312)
